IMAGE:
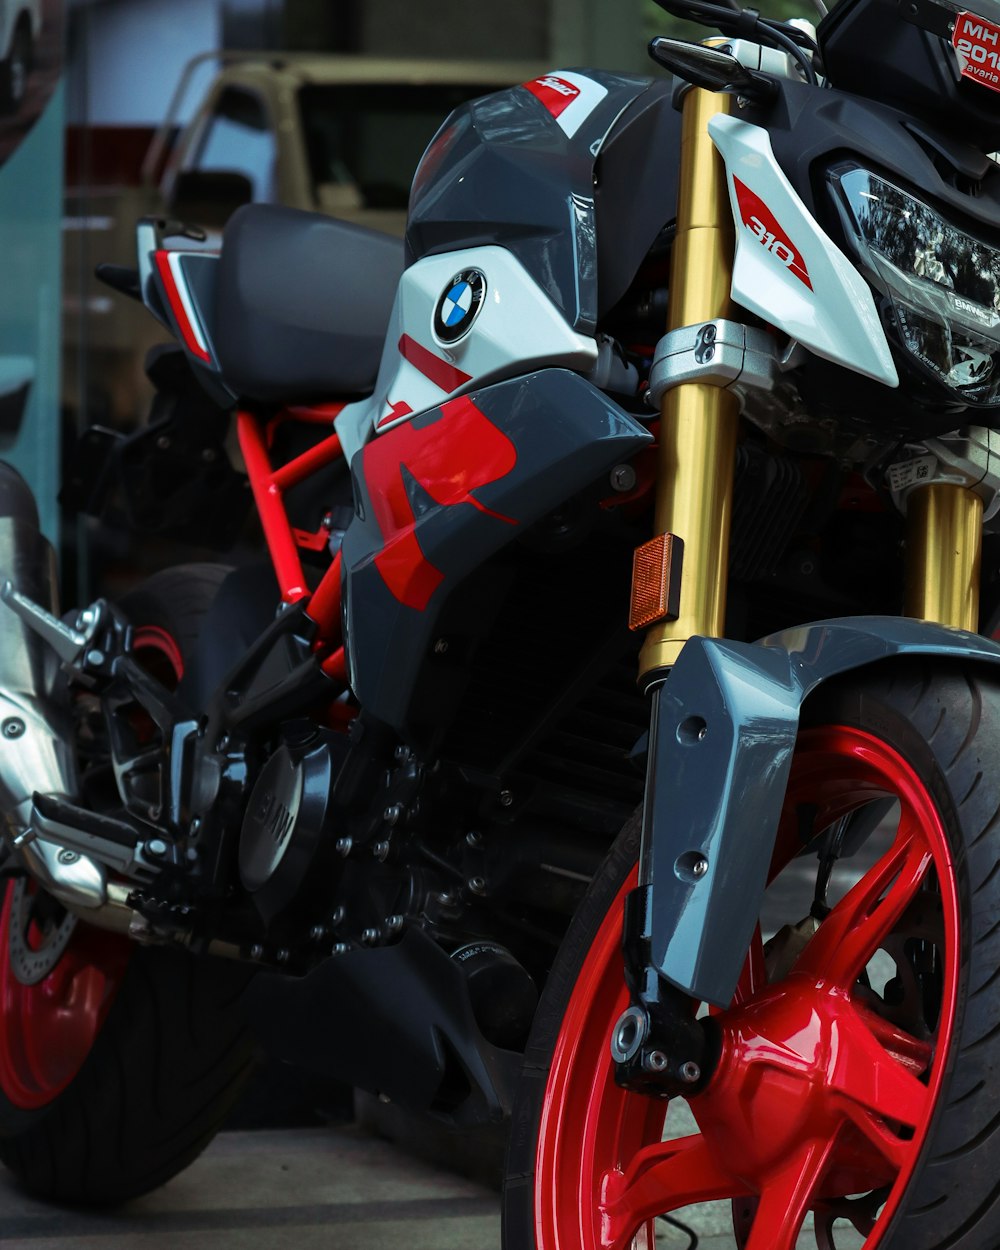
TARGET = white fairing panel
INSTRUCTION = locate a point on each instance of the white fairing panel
(502, 324)
(787, 270)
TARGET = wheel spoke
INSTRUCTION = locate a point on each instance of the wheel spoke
(661, 1178)
(784, 1201)
(875, 1090)
(863, 918)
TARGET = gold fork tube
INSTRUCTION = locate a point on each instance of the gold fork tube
(944, 538)
(698, 422)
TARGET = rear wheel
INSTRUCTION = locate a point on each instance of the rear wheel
(854, 1100)
(118, 1063)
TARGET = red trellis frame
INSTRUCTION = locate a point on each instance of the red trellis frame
(256, 435)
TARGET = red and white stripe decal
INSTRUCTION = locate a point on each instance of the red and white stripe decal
(569, 97)
(438, 371)
(763, 225)
(168, 267)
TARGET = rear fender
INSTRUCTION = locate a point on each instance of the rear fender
(723, 731)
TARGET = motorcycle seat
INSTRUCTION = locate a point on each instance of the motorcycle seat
(302, 304)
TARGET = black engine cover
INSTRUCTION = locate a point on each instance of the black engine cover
(282, 840)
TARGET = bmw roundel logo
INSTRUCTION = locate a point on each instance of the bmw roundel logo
(459, 306)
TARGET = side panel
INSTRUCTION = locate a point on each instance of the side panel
(787, 270)
(723, 732)
(512, 327)
(438, 495)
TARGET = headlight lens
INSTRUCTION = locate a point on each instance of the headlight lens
(943, 284)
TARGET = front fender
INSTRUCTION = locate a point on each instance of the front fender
(724, 726)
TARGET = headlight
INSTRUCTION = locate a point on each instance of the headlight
(943, 284)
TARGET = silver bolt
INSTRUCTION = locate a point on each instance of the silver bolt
(343, 846)
(473, 839)
(381, 851)
(338, 915)
(441, 646)
(223, 743)
(95, 657)
(506, 798)
(623, 478)
(163, 443)
(194, 826)
(392, 813)
(339, 948)
(394, 924)
(690, 1072)
(655, 1061)
(317, 933)
(370, 936)
(13, 727)
(85, 618)
(284, 955)
(445, 900)
(156, 847)
(402, 753)
(699, 867)
(67, 856)
(256, 951)
(477, 885)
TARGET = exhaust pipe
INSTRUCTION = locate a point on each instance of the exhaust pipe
(36, 739)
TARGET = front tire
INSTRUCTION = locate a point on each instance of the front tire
(855, 1084)
(119, 1063)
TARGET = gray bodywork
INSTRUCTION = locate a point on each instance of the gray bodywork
(724, 726)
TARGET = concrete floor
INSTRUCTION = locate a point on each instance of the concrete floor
(294, 1189)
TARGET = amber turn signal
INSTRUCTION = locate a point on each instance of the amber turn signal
(656, 581)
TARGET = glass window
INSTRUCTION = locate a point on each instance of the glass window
(372, 136)
(238, 138)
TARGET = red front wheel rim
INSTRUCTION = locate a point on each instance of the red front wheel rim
(821, 1101)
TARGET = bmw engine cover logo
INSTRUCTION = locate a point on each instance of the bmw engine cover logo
(459, 306)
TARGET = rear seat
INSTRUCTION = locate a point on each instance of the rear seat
(303, 304)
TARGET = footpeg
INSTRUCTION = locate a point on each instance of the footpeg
(114, 843)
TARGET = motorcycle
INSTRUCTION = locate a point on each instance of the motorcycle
(362, 806)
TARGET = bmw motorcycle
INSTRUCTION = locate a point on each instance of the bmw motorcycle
(479, 793)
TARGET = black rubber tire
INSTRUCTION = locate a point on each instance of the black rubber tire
(173, 1054)
(946, 724)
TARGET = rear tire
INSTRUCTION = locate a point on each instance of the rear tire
(832, 1083)
(169, 1053)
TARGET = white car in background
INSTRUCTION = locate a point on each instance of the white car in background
(20, 26)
